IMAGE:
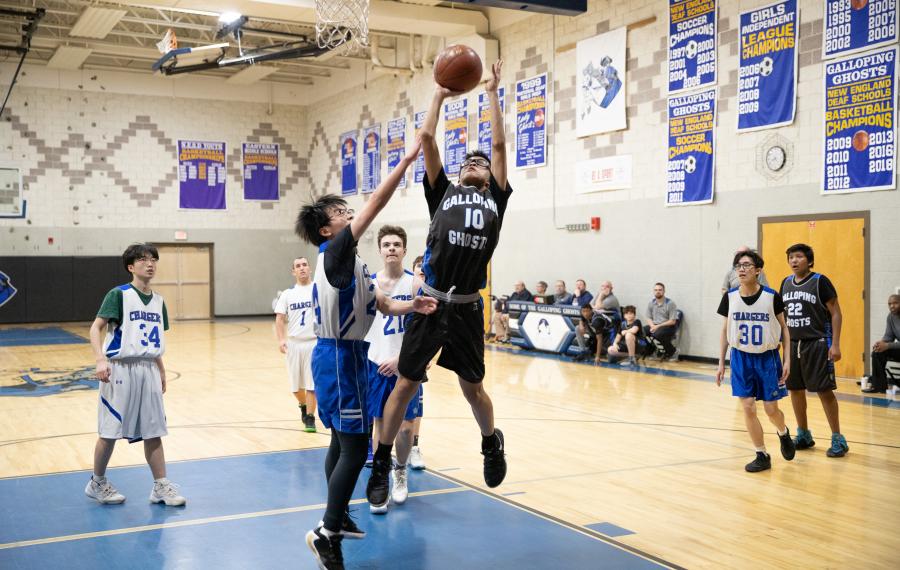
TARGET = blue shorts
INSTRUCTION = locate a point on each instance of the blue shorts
(340, 371)
(381, 386)
(756, 375)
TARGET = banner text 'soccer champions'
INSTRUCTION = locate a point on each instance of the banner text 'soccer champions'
(860, 113)
(691, 168)
(692, 44)
(856, 25)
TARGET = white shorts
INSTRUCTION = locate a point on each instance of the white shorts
(131, 403)
(299, 364)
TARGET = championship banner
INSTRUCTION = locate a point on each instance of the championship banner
(851, 26)
(201, 175)
(692, 145)
(348, 163)
(692, 44)
(419, 166)
(859, 123)
(260, 162)
(396, 146)
(456, 135)
(484, 119)
(371, 177)
(531, 127)
(767, 74)
(601, 99)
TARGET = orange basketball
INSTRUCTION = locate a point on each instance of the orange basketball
(458, 68)
(860, 141)
(858, 4)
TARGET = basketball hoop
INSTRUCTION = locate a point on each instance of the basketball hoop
(342, 22)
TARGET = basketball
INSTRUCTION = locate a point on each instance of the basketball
(858, 4)
(458, 68)
(860, 140)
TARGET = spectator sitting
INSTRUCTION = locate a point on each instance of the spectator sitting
(888, 348)
(500, 318)
(562, 296)
(630, 332)
(661, 318)
(581, 296)
(606, 314)
(731, 278)
(541, 295)
(586, 335)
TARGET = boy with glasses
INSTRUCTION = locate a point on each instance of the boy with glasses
(132, 377)
(753, 326)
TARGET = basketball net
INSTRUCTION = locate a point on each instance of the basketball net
(342, 22)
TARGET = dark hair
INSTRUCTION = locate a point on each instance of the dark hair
(804, 249)
(587, 306)
(419, 261)
(660, 284)
(392, 231)
(475, 152)
(544, 283)
(314, 216)
(583, 281)
(755, 257)
(629, 309)
(136, 251)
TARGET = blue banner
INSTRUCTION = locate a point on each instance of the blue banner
(260, 171)
(419, 166)
(484, 119)
(692, 145)
(456, 135)
(371, 176)
(855, 25)
(348, 163)
(531, 122)
(692, 44)
(767, 74)
(859, 123)
(201, 175)
(396, 146)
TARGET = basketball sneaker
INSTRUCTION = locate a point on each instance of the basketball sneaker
(103, 492)
(309, 423)
(787, 445)
(378, 487)
(327, 550)
(761, 463)
(416, 460)
(804, 439)
(165, 491)
(839, 447)
(494, 459)
(400, 490)
(348, 528)
(629, 363)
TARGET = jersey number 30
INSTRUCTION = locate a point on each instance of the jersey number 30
(753, 334)
(152, 337)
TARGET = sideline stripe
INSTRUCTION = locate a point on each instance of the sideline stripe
(208, 520)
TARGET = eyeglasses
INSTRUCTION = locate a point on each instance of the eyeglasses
(476, 161)
(343, 212)
(147, 259)
(744, 265)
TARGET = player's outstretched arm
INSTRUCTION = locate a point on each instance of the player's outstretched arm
(498, 132)
(393, 307)
(97, 328)
(382, 195)
(429, 127)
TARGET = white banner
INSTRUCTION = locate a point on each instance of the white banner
(600, 62)
(602, 174)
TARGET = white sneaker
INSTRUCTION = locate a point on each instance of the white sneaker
(165, 491)
(416, 461)
(382, 510)
(400, 492)
(104, 493)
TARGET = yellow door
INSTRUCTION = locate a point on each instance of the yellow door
(839, 247)
(486, 299)
(183, 279)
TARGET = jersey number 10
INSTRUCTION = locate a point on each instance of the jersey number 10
(474, 219)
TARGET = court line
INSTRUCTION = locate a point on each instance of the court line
(571, 526)
(197, 522)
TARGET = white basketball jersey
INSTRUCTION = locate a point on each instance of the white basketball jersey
(386, 335)
(753, 328)
(296, 303)
(140, 334)
(343, 314)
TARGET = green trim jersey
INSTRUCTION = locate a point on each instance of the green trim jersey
(136, 323)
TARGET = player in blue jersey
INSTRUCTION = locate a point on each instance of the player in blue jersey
(754, 326)
(345, 302)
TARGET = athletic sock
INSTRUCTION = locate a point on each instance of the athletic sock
(781, 433)
(327, 533)
(489, 441)
(761, 449)
(415, 441)
(99, 479)
(383, 452)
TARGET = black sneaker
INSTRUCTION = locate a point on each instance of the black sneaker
(761, 463)
(788, 449)
(350, 530)
(378, 487)
(494, 462)
(326, 550)
(309, 423)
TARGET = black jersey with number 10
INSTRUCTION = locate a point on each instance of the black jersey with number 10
(465, 229)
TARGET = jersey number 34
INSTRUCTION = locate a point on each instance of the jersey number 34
(150, 338)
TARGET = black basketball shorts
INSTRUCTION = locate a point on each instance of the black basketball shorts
(810, 368)
(457, 330)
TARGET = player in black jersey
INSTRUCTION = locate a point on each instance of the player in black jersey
(465, 228)
(813, 316)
